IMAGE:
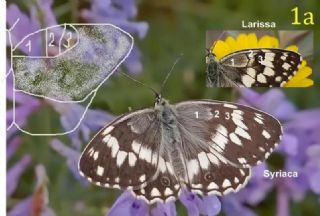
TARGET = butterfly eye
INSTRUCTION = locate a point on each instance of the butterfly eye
(165, 181)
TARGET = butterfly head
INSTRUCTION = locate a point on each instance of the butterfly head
(210, 56)
(160, 101)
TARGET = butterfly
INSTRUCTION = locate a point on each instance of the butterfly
(263, 67)
(205, 146)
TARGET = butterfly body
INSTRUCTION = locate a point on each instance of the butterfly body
(219, 75)
(170, 146)
(205, 146)
(265, 67)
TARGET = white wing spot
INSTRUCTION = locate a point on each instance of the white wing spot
(162, 165)
(247, 80)
(106, 138)
(261, 78)
(230, 106)
(262, 149)
(267, 155)
(132, 159)
(236, 180)
(212, 186)
(114, 147)
(213, 159)
(242, 133)
(198, 186)
(154, 159)
(145, 154)
(258, 120)
(168, 192)
(283, 83)
(242, 172)
(155, 192)
(95, 155)
(91, 151)
(100, 170)
(116, 180)
(142, 178)
(242, 160)
(269, 56)
(251, 72)
(286, 66)
(266, 134)
(135, 146)
(226, 183)
(193, 168)
(268, 71)
(278, 79)
(222, 129)
(142, 191)
(267, 63)
(170, 168)
(121, 156)
(107, 130)
(234, 138)
(204, 161)
(237, 119)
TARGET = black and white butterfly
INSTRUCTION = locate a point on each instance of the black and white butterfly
(206, 146)
(264, 67)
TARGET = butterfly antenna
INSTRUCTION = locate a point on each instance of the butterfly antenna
(170, 72)
(137, 81)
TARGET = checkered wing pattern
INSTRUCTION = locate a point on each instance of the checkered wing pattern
(254, 68)
(125, 153)
(221, 141)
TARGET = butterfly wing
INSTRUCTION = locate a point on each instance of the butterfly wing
(221, 141)
(261, 67)
(124, 154)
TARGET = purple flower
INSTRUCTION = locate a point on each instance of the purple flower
(127, 204)
(17, 169)
(27, 25)
(80, 119)
(120, 13)
(37, 203)
(25, 104)
(72, 157)
(207, 205)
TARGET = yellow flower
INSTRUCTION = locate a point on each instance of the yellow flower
(248, 41)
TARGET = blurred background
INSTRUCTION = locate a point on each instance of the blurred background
(41, 167)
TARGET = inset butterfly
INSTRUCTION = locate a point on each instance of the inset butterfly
(263, 67)
(205, 146)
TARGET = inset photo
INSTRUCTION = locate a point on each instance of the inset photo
(259, 58)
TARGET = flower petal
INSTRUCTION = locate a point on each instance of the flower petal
(220, 49)
(252, 40)
(168, 209)
(126, 204)
(232, 44)
(207, 205)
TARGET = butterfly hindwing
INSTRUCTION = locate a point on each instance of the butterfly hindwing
(124, 154)
(165, 187)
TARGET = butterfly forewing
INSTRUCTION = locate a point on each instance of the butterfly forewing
(125, 153)
(263, 67)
